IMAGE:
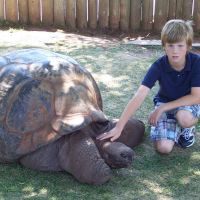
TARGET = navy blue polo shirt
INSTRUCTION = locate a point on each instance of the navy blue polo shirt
(173, 84)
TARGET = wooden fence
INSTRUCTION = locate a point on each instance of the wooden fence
(123, 15)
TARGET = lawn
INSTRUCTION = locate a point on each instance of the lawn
(118, 68)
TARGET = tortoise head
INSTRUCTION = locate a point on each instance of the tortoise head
(117, 154)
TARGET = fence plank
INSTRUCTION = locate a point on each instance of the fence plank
(81, 14)
(187, 9)
(196, 15)
(147, 14)
(34, 11)
(1, 9)
(59, 13)
(172, 9)
(114, 14)
(125, 14)
(161, 14)
(179, 9)
(47, 12)
(103, 13)
(135, 18)
(70, 14)
(92, 14)
(23, 11)
(11, 10)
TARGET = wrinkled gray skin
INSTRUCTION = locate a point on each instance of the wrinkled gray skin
(50, 116)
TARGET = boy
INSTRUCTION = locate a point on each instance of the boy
(177, 103)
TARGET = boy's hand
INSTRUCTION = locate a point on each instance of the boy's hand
(155, 116)
(113, 134)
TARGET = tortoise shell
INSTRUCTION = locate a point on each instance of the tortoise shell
(43, 95)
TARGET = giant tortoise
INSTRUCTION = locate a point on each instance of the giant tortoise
(50, 116)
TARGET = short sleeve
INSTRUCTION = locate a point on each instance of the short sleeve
(152, 75)
(195, 81)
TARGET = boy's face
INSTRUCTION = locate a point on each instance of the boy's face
(176, 53)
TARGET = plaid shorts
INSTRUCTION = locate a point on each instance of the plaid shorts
(167, 126)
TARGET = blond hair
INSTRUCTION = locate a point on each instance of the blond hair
(177, 30)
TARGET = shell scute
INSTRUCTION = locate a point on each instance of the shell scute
(31, 109)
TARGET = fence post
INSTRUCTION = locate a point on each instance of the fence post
(147, 15)
(187, 9)
(161, 14)
(1, 9)
(179, 9)
(70, 14)
(92, 14)
(11, 10)
(59, 13)
(81, 13)
(135, 18)
(172, 9)
(34, 11)
(114, 14)
(196, 15)
(125, 15)
(103, 13)
(23, 11)
(47, 12)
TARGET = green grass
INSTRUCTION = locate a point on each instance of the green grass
(118, 69)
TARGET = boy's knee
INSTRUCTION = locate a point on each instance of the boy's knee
(185, 119)
(164, 146)
(163, 150)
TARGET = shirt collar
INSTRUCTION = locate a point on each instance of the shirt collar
(187, 67)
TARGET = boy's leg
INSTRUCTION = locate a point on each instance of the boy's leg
(187, 117)
(164, 146)
(165, 133)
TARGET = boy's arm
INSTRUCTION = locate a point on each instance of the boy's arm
(188, 100)
(129, 110)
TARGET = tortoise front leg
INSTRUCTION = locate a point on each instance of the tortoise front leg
(80, 157)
